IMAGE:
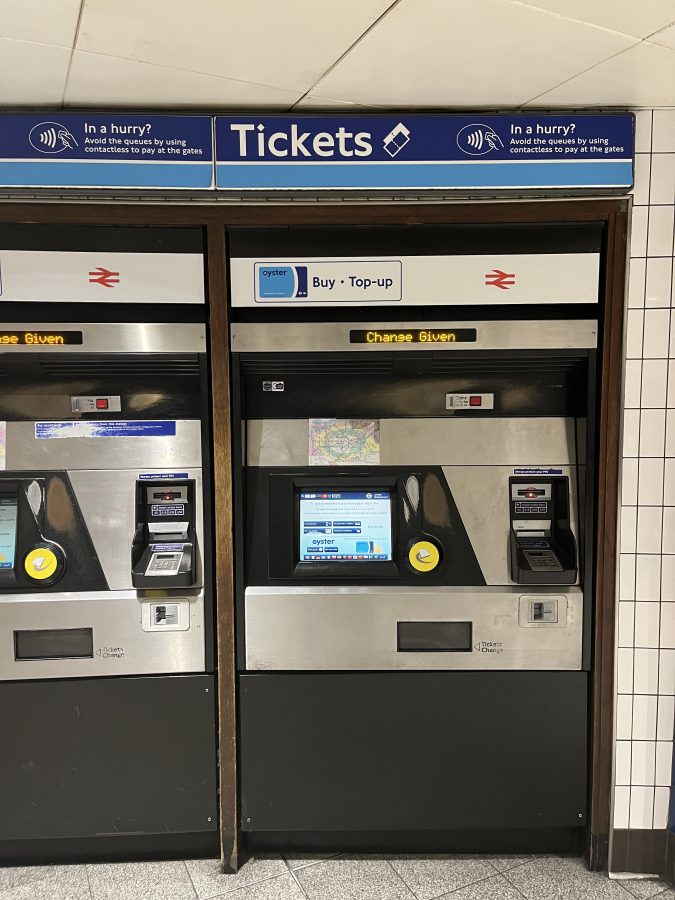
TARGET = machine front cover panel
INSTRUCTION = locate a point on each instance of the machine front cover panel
(108, 757)
(401, 751)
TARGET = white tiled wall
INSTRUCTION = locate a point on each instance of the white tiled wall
(645, 681)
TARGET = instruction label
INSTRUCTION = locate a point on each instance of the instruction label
(52, 430)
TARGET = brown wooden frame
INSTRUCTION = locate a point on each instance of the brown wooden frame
(216, 218)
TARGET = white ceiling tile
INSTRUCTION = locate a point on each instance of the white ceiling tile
(99, 80)
(42, 21)
(665, 37)
(32, 74)
(467, 53)
(288, 44)
(638, 19)
(644, 75)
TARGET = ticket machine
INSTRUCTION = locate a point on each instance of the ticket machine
(416, 486)
(106, 608)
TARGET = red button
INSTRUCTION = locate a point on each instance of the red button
(101, 404)
(475, 401)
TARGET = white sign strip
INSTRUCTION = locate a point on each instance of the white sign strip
(498, 279)
(101, 276)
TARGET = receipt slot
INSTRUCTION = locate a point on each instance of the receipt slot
(163, 550)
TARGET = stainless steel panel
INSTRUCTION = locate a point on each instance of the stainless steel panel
(121, 645)
(108, 504)
(521, 442)
(148, 454)
(482, 497)
(354, 628)
(116, 337)
(293, 337)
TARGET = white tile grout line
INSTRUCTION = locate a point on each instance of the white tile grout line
(193, 885)
(296, 880)
(86, 875)
(496, 872)
(248, 884)
(402, 879)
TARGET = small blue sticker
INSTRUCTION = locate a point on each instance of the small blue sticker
(162, 476)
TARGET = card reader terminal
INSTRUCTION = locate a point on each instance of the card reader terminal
(543, 548)
(163, 551)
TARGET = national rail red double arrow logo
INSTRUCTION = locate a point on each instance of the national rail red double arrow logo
(104, 276)
(502, 280)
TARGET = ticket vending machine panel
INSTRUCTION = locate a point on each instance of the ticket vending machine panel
(413, 625)
(106, 631)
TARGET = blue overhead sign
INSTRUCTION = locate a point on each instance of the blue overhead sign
(106, 151)
(394, 152)
(424, 152)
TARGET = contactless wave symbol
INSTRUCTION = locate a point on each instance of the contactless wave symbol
(51, 137)
(478, 139)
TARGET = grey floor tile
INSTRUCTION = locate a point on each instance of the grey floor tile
(563, 878)
(433, 875)
(504, 863)
(140, 881)
(44, 883)
(352, 878)
(209, 881)
(495, 888)
(300, 860)
(645, 888)
(281, 887)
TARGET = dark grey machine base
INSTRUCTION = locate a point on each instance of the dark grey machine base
(489, 840)
(108, 768)
(110, 849)
(436, 752)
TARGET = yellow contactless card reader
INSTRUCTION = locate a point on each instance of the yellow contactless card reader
(40, 563)
(423, 556)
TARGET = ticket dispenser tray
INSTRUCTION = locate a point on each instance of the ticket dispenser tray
(542, 545)
(164, 547)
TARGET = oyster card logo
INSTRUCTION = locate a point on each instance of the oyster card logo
(282, 282)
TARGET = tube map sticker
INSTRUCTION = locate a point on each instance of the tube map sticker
(407, 151)
(57, 149)
(344, 442)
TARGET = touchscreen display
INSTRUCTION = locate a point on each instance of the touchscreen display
(7, 531)
(345, 526)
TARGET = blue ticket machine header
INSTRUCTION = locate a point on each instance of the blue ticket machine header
(420, 152)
